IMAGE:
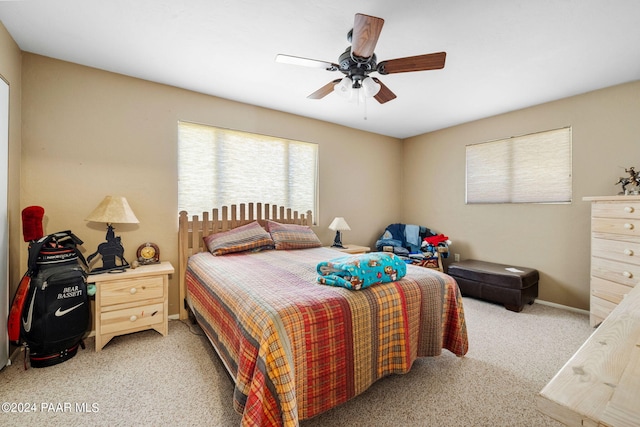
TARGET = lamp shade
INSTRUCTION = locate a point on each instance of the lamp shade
(339, 224)
(113, 209)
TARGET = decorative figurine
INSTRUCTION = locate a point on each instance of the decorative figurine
(633, 179)
(111, 250)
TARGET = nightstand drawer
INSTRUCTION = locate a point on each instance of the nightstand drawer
(118, 321)
(129, 290)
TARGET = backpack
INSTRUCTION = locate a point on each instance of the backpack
(56, 311)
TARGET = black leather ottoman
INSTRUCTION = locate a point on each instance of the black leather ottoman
(504, 284)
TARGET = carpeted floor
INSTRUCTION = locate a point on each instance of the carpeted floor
(144, 379)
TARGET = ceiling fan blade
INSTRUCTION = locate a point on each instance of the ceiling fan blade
(306, 62)
(384, 94)
(430, 61)
(366, 30)
(324, 90)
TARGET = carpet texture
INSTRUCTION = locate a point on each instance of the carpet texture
(145, 379)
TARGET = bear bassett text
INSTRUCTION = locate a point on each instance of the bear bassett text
(70, 292)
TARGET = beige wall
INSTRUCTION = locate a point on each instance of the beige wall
(552, 238)
(88, 133)
(10, 70)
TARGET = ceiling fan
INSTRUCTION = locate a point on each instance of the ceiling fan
(359, 60)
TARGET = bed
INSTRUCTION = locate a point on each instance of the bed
(296, 348)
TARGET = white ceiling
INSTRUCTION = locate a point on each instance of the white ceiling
(502, 55)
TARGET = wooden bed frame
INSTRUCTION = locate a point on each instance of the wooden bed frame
(231, 308)
(191, 231)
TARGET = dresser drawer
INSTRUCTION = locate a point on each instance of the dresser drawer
(137, 289)
(119, 321)
(624, 226)
(616, 250)
(625, 274)
(607, 290)
(622, 209)
(599, 309)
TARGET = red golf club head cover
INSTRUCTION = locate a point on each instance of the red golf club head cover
(32, 223)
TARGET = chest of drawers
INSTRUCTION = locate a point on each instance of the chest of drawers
(615, 252)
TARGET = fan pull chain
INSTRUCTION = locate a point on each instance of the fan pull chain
(364, 103)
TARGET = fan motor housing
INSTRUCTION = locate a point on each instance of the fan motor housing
(352, 67)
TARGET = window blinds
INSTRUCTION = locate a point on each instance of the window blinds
(219, 167)
(533, 168)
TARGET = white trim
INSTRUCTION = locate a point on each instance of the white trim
(564, 307)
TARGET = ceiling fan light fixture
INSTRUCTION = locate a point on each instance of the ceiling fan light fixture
(370, 87)
(344, 87)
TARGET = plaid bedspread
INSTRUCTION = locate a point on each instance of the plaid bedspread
(297, 348)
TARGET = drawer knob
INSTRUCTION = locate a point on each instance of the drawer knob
(628, 226)
(133, 318)
(133, 291)
(628, 252)
(627, 274)
(629, 209)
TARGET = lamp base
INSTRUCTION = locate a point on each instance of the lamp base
(115, 269)
(109, 251)
(337, 241)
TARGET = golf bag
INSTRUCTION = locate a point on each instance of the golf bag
(56, 313)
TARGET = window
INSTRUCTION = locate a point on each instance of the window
(533, 168)
(219, 167)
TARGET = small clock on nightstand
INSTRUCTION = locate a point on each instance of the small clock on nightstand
(148, 253)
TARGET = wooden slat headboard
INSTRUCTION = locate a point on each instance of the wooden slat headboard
(192, 230)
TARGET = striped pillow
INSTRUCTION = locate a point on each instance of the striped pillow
(244, 238)
(292, 236)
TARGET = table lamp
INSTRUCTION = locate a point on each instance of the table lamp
(111, 210)
(338, 225)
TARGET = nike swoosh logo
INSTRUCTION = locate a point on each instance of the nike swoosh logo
(59, 312)
(27, 325)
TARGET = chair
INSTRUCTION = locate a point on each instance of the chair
(418, 245)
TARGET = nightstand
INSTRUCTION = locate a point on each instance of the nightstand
(353, 249)
(131, 301)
